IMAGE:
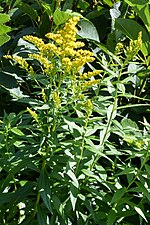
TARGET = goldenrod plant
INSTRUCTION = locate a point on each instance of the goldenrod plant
(73, 154)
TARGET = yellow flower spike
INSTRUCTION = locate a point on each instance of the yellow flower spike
(139, 40)
(38, 42)
(44, 95)
(55, 37)
(90, 83)
(56, 99)
(67, 64)
(119, 48)
(79, 44)
(46, 64)
(22, 63)
(90, 74)
(134, 47)
(88, 106)
(33, 114)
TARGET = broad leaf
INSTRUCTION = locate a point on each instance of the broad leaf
(61, 17)
(87, 30)
(126, 27)
(73, 195)
(4, 18)
(30, 11)
(45, 190)
(3, 39)
(4, 29)
(118, 194)
(141, 7)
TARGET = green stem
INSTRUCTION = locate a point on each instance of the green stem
(139, 171)
(82, 146)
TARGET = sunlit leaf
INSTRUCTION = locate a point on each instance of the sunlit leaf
(17, 131)
(140, 212)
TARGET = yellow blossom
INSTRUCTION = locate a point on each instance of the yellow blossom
(46, 64)
(33, 114)
(134, 47)
(87, 106)
(38, 42)
(22, 63)
(56, 99)
(90, 83)
(90, 74)
(44, 95)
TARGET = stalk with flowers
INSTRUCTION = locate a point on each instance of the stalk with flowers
(65, 134)
(61, 118)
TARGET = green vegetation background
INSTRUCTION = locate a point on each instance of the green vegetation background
(72, 153)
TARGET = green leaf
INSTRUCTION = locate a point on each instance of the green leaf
(111, 217)
(141, 7)
(16, 93)
(3, 39)
(15, 130)
(147, 167)
(126, 27)
(88, 30)
(118, 194)
(27, 9)
(67, 4)
(42, 216)
(73, 178)
(44, 189)
(61, 17)
(4, 18)
(144, 190)
(108, 2)
(73, 195)
(6, 197)
(4, 29)
(140, 212)
(89, 207)
(58, 205)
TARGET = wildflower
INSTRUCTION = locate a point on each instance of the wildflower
(38, 42)
(119, 48)
(33, 114)
(134, 47)
(89, 84)
(87, 106)
(46, 64)
(90, 74)
(44, 95)
(22, 63)
(56, 99)
(67, 64)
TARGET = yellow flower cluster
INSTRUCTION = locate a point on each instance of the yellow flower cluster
(63, 55)
(89, 83)
(88, 106)
(90, 74)
(38, 42)
(44, 97)
(72, 57)
(22, 63)
(45, 63)
(134, 47)
(119, 48)
(33, 114)
(56, 99)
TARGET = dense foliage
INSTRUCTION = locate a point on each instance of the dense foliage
(74, 116)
